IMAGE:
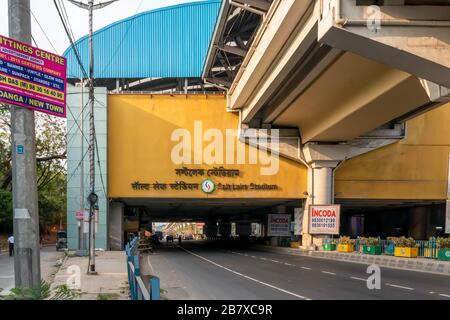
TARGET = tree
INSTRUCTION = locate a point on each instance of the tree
(50, 168)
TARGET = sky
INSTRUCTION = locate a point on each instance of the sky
(47, 16)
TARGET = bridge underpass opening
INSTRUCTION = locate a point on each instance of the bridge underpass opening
(221, 218)
(387, 218)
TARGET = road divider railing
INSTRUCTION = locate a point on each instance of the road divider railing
(138, 289)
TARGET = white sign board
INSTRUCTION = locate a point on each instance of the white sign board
(324, 219)
(447, 217)
(279, 225)
(298, 219)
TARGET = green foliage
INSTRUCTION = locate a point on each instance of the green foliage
(38, 293)
(346, 240)
(6, 221)
(63, 292)
(42, 292)
(403, 242)
(107, 296)
(443, 243)
(370, 241)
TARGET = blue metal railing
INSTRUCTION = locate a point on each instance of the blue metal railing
(428, 248)
(137, 287)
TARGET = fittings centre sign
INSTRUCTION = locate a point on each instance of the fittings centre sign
(32, 78)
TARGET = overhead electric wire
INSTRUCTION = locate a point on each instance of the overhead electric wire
(67, 18)
(76, 122)
(77, 55)
(78, 165)
(43, 31)
(76, 119)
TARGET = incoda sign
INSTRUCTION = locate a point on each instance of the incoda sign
(279, 225)
(324, 219)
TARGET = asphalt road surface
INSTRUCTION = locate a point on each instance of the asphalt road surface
(205, 270)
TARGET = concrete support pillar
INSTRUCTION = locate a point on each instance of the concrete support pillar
(322, 161)
(323, 177)
(116, 226)
(418, 222)
(210, 229)
(243, 229)
(225, 229)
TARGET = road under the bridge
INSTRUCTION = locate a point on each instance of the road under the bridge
(208, 270)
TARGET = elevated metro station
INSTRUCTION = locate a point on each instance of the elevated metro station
(187, 113)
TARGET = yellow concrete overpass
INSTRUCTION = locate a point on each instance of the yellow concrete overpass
(341, 78)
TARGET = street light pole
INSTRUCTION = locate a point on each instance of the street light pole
(92, 197)
(27, 270)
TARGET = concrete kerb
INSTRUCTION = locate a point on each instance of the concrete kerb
(409, 264)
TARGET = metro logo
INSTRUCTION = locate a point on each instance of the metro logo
(323, 213)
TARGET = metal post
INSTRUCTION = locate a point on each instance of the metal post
(26, 215)
(81, 246)
(91, 7)
(155, 292)
(91, 143)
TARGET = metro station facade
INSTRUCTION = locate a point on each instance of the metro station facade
(172, 147)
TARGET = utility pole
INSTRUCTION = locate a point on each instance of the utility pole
(27, 270)
(81, 246)
(93, 198)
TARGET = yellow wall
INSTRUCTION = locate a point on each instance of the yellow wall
(414, 168)
(139, 148)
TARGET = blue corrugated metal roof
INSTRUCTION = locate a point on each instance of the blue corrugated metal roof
(167, 42)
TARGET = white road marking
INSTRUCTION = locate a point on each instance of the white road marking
(356, 278)
(288, 264)
(275, 261)
(397, 286)
(245, 276)
(444, 295)
(263, 258)
(253, 257)
(431, 292)
(327, 272)
(151, 267)
(306, 268)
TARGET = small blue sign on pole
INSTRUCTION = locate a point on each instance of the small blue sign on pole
(20, 149)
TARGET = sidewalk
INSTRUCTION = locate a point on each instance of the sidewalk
(50, 263)
(111, 280)
(410, 264)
